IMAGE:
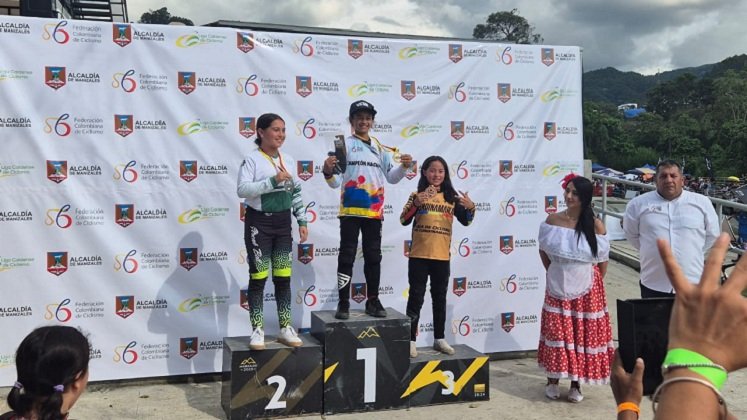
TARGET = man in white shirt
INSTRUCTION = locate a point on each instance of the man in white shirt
(686, 219)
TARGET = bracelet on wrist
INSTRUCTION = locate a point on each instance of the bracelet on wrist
(629, 406)
(680, 358)
(719, 396)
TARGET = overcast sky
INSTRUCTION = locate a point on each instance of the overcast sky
(639, 35)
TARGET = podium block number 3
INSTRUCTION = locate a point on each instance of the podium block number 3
(275, 402)
(368, 355)
(448, 388)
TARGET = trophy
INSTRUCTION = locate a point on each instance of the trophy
(341, 154)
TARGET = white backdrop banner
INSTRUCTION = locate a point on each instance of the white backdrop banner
(121, 145)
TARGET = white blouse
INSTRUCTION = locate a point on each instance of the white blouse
(571, 262)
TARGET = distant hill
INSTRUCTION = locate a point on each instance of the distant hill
(737, 62)
(617, 87)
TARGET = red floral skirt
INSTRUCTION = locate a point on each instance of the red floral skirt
(576, 337)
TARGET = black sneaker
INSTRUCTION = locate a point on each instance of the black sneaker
(343, 309)
(374, 308)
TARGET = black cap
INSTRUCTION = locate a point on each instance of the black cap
(361, 106)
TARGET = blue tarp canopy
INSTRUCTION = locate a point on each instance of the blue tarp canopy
(597, 167)
(633, 113)
(609, 172)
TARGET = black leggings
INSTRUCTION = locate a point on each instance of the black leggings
(370, 229)
(418, 271)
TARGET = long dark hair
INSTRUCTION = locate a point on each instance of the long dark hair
(585, 223)
(47, 357)
(450, 193)
(264, 121)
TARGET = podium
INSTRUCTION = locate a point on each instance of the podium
(437, 378)
(366, 360)
(358, 364)
(277, 381)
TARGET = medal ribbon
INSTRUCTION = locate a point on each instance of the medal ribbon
(280, 158)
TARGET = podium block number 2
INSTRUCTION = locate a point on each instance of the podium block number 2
(275, 402)
(368, 355)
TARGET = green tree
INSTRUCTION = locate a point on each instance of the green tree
(684, 125)
(180, 19)
(162, 17)
(636, 157)
(608, 139)
(731, 96)
(507, 27)
(668, 98)
(734, 141)
(646, 129)
(694, 113)
(601, 123)
(719, 161)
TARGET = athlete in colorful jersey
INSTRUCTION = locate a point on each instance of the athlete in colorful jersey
(369, 164)
(432, 208)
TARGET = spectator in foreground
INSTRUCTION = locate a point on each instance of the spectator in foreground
(52, 368)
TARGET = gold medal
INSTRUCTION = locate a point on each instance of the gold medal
(396, 155)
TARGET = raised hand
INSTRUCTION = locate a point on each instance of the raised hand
(465, 201)
(709, 318)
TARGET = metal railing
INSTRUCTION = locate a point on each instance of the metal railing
(717, 202)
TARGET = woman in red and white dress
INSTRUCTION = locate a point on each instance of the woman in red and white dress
(575, 333)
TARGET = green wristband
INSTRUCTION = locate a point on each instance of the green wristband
(677, 358)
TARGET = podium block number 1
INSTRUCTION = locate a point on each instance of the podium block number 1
(275, 402)
(368, 355)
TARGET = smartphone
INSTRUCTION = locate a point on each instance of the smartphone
(643, 331)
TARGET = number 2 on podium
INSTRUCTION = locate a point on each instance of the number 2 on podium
(368, 356)
(275, 402)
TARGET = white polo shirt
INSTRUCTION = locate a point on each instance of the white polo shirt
(688, 222)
